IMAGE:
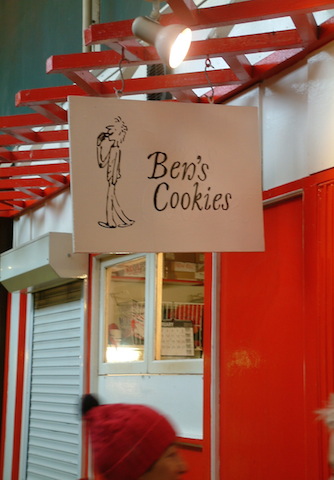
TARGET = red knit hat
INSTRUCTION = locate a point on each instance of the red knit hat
(126, 439)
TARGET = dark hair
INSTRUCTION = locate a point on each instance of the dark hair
(88, 402)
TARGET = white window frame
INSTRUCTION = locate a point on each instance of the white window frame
(153, 292)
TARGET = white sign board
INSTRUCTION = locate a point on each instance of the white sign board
(164, 176)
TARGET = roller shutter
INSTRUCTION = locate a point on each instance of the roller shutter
(56, 384)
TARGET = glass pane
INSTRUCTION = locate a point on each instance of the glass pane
(125, 311)
(182, 306)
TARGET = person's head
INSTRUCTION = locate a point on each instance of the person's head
(132, 442)
(117, 130)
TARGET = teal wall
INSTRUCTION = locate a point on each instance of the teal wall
(33, 30)
(112, 10)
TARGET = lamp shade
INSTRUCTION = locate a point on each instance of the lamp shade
(171, 42)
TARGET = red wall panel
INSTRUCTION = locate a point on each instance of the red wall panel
(263, 354)
(195, 460)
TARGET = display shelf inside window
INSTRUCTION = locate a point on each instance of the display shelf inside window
(182, 330)
(182, 312)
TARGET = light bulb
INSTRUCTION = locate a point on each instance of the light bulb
(180, 48)
(172, 42)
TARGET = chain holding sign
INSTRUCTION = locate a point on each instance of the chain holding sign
(164, 176)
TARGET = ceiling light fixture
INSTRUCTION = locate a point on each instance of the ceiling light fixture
(171, 42)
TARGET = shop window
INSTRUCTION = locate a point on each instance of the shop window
(152, 313)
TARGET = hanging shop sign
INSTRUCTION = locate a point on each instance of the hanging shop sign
(164, 176)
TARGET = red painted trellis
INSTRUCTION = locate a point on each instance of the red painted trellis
(29, 176)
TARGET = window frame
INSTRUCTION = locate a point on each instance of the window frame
(152, 321)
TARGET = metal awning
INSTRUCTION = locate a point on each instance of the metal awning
(32, 169)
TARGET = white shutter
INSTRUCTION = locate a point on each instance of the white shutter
(56, 385)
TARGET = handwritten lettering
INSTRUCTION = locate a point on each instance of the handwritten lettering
(184, 171)
(182, 194)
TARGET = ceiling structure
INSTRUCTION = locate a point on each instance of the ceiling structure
(244, 43)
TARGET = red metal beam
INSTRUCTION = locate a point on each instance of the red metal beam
(82, 61)
(254, 10)
(56, 180)
(5, 155)
(184, 9)
(78, 62)
(13, 195)
(277, 62)
(271, 65)
(55, 113)
(102, 32)
(243, 44)
(200, 49)
(11, 208)
(73, 66)
(33, 170)
(87, 81)
(26, 121)
(33, 193)
(306, 27)
(24, 135)
(262, 42)
(132, 86)
(214, 47)
(33, 155)
(240, 66)
(53, 136)
(185, 95)
(7, 184)
(230, 14)
(49, 179)
(59, 94)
